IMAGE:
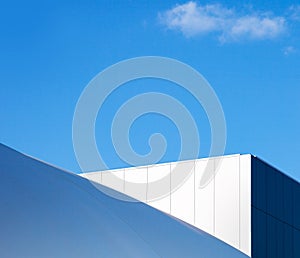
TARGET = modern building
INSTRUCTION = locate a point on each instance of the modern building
(239, 199)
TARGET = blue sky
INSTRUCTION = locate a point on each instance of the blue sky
(249, 52)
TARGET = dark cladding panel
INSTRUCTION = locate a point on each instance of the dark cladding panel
(275, 193)
(296, 243)
(296, 189)
(288, 241)
(272, 238)
(259, 234)
(274, 182)
(271, 190)
(280, 239)
(275, 213)
(288, 199)
(259, 184)
(254, 189)
(279, 195)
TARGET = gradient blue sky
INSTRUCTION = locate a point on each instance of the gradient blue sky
(248, 52)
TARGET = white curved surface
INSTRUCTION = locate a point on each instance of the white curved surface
(47, 212)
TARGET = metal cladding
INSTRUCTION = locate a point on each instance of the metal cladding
(248, 204)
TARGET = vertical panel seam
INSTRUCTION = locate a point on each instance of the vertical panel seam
(214, 199)
(249, 241)
(147, 186)
(123, 180)
(194, 192)
(170, 189)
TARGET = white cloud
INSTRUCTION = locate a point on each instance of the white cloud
(193, 19)
(294, 12)
(289, 50)
(256, 27)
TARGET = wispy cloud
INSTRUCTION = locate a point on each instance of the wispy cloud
(289, 50)
(294, 12)
(193, 19)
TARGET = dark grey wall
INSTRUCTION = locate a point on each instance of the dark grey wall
(275, 201)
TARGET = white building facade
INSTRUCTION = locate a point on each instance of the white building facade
(233, 205)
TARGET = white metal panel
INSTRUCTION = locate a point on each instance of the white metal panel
(93, 176)
(221, 208)
(227, 200)
(159, 181)
(183, 199)
(204, 197)
(114, 179)
(245, 204)
(136, 182)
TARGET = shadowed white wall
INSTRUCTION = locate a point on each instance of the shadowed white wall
(222, 207)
